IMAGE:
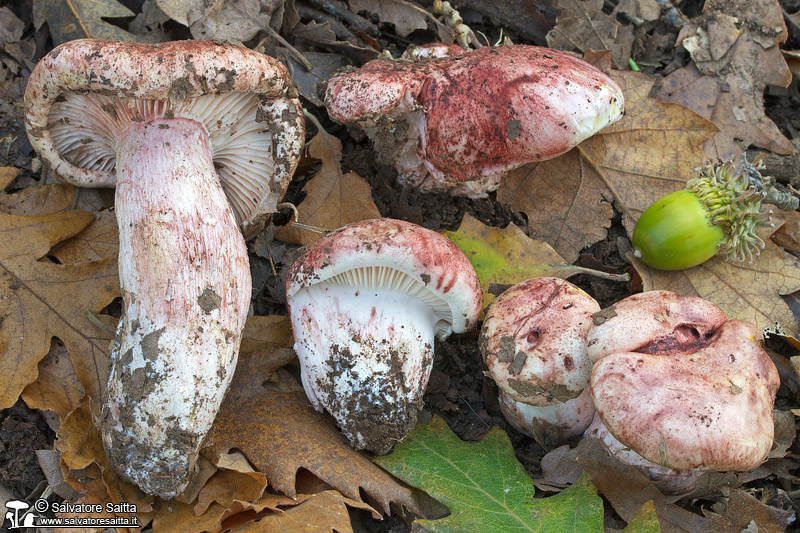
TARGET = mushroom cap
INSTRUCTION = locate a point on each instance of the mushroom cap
(400, 255)
(533, 341)
(707, 408)
(552, 424)
(130, 81)
(653, 321)
(485, 112)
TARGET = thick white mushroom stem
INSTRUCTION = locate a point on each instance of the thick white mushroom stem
(186, 287)
(366, 357)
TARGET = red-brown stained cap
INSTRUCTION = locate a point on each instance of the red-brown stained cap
(84, 92)
(702, 405)
(403, 255)
(472, 117)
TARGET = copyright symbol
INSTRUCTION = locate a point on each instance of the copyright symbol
(41, 505)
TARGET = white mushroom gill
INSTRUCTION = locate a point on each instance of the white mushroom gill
(366, 350)
(84, 128)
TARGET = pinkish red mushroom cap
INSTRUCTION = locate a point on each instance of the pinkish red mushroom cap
(653, 322)
(84, 92)
(707, 408)
(435, 268)
(481, 113)
(533, 341)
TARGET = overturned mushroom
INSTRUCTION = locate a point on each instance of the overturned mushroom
(457, 123)
(366, 302)
(681, 386)
(196, 137)
(533, 341)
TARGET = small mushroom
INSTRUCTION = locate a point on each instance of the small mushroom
(681, 386)
(366, 302)
(457, 123)
(533, 341)
(197, 137)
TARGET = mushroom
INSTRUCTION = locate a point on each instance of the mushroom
(197, 137)
(366, 302)
(457, 123)
(533, 341)
(682, 386)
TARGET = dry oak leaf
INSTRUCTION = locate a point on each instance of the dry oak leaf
(581, 25)
(42, 200)
(77, 19)
(650, 152)
(322, 512)
(405, 16)
(228, 485)
(333, 199)
(280, 433)
(734, 45)
(57, 387)
(744, 291)
(40, 300)
(98, 240)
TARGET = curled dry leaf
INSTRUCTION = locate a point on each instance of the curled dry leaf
(273, 424)
(78, 19)
(40, 300)
(57, 387)
(323, 512)
(226, 486)
(581, 26)
(649, 153)
(734, 45)
(42, 200)
(333, 199)
(405, 16)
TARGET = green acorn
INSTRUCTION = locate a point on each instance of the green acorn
(718, 211)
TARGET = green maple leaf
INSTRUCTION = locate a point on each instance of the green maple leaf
(485, 487)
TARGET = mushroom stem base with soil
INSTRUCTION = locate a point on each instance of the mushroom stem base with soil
(366, 356)
(186, 287)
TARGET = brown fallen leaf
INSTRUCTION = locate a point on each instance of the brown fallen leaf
(228, 485)
(78, 19)
(57, 387)
(42, 200)
(323, 512)
(406, 17)
(279, 432)
(40, 300)
(98, 240)
(744, 291)
(627, 490)
(333, 199)
(581, 25)
(734, 45)
(650, 152)
(787, 236)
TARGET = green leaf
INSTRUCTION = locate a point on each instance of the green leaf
(78, 19)
(508, 256)
(645, 521)
(485, 487)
